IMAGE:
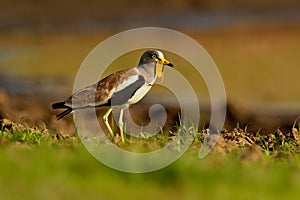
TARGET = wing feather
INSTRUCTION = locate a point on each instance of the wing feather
(128, 89)
(115, 86)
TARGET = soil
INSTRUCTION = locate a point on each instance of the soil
(20, 113)
(37, 111)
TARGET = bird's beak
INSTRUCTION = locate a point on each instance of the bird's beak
(165, 62)
(160, 67)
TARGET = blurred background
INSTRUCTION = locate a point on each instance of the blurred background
(255, 44)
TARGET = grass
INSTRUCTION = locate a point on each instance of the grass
(37, 164)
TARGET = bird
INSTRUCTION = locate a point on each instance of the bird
(120, 89)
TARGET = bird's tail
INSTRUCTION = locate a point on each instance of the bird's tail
(61, 105)
(64, 113)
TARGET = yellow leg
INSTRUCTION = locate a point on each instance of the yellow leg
(121, 124)
(105, 119)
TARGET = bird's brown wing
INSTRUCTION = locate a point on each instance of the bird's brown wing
(101, 92)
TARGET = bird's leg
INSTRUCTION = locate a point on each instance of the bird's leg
(105, 119)
(121, 124)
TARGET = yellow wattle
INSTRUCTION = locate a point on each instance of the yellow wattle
(159, 70)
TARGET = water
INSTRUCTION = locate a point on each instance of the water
(191, 21)
(40, 88)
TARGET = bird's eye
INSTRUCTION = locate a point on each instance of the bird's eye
(154, 56)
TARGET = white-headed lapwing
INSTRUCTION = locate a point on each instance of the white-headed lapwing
(120, 89)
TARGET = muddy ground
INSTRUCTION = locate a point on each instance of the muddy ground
(250, 147)
(36, 111)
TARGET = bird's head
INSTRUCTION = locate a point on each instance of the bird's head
(157, 57)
